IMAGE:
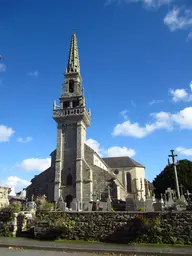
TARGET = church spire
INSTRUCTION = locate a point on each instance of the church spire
(73, 60)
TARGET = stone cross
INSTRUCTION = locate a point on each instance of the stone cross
(181, 186)
(188, 194)
(141, 183)
(169, 191)
(109, 192)
(94, 195)
(141, 189)
(162, 201)
(146, 189)
(174, 195)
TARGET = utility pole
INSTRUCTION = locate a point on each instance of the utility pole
(175, 171)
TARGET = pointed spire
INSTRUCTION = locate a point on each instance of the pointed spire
(73, 61)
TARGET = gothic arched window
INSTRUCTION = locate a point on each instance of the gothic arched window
(71, 86)
(69, 180)
(128, 175)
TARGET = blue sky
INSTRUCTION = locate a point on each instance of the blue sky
(136, 66)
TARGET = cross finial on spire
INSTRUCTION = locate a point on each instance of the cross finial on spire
(73, 61)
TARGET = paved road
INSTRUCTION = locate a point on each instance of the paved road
(13, 252)
(82, 248)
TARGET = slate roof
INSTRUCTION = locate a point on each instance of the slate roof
(120, 162)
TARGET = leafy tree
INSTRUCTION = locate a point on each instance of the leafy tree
(167, 177)
(43, 204)
(16, 207)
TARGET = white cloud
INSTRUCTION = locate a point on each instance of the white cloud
(5, 133)
(155, 102)
(134, 130)
(118, 151)
(181, 94)
(189, 37)
(190, 85)
(112, 151)
(183, 118)
(35, 164)
(163, 120)
(15, 183)
(146, 3)
(94, 145)
(24, 140)
(179, 18)
(2, 67)
(35, 73)
(152, 3)
(184, 151)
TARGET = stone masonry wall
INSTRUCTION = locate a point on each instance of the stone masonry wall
(42, 184)
(117, 227)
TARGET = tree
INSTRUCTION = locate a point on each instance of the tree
(167, 177)
(43, 204)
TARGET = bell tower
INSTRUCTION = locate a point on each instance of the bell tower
(72, 119)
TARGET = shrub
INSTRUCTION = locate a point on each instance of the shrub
(44, 205)
(6, 216)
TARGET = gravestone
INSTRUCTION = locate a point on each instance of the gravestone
(74, 205)
(31, 206)
(183, 199)
(102, 206)
(130, 204)
(158, 206)
(85, 206)
(149, 205)
(79, 205)
(140, 204)
(180, 205)
(109, 206)
(90, 206)
(61, 204)
(170, 201)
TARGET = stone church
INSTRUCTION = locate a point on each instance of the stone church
(77, 171)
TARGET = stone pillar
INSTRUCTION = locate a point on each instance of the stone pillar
(91, 186)
(14, 223)
(79, 161)
(58, 163)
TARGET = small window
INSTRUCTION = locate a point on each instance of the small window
(71, 86)
(66, 104)
(69, 180)
(116, 172)
(129, 190)
(75, 103)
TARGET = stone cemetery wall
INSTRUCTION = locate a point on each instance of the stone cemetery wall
(6, 219)
(15, 224)
(116, 227)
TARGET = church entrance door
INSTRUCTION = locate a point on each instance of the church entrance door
(68, 200)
